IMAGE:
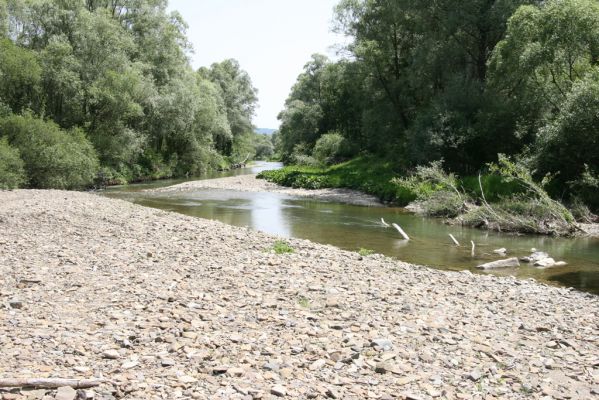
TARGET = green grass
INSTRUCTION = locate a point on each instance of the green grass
(367, 174)
(365, 252)
(304, 302)
(282, 247)
(514, 207)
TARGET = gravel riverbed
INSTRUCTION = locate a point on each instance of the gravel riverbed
(249, 183)
(165, 306)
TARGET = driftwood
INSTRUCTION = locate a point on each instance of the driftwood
(50, 383)
(401, 231)
(473, 247)
(454, 240)
(384, 223)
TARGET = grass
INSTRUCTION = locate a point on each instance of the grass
(365, 252)
(504, 199)
(366, 174)
(304, 302)
(282, 247)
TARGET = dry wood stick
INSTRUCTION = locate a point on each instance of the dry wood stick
(401, 231)
(50, 383)
(454, 239)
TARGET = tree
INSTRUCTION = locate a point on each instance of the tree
(239, 97)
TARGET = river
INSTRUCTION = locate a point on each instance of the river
(355, 227)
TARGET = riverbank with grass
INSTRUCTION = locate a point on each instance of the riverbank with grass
(505, 198)
(159, 305)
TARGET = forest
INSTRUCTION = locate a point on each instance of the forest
(100, 92)
(495, 96)
(494, 101)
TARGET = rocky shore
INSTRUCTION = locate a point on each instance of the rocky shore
(249, 183)
(164, 306)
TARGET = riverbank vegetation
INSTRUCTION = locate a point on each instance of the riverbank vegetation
(100, 92)
(424, 82)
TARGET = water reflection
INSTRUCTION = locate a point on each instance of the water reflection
(353, 227)
(267, 214)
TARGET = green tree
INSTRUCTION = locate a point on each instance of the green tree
(53, 158)
(12, 173)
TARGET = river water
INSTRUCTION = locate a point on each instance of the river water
(354, 227)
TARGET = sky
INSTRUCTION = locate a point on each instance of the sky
(271, 39)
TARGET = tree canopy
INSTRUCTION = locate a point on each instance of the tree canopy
(429, 80)
(113, 76)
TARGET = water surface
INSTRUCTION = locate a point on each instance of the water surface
(354, 227)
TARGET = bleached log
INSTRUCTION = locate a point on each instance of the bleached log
(384, 223)
(473, 247)
(454, 239)
(50, 383)
(401, 231)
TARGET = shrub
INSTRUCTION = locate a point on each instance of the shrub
(53, 158)
(435, 190)
(365, 252)
(329, 148)
(282, 247)
(12, 173)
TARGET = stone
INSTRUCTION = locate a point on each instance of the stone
(16, 304)
(382, 343)
(129, 364)
(111, 354)
(318, 364)
(475, 375)
(545, 262)
(507, 263)
(66, 393)
(278, 390)
(502, 251)
(167, 362)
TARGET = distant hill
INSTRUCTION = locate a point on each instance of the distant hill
(265, 131)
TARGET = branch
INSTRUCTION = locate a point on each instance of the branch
(50, 383)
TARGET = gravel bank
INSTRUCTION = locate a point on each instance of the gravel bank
(249, 183)
(166, 306)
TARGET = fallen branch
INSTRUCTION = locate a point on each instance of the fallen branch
(401, 231)
(384, 223)
(454, 240)
(473, 247)
(50, 383)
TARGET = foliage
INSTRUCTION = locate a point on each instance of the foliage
(365, 252)
(330, 148)
(367, 174)
(532, 211)
(54, 158)
(436, 191)
(569, 144)
(282, 247)
(425, 81)
(264, 146)
(12, 173)
(119, 72)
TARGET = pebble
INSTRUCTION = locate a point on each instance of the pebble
(278, 391)
(66, 393)
(213, 314)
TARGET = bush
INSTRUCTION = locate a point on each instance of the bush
(53, 158)
(435, 190)
(12, 173)
(329, 148)
(282, 247)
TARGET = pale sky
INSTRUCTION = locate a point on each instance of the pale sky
(271, 39)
